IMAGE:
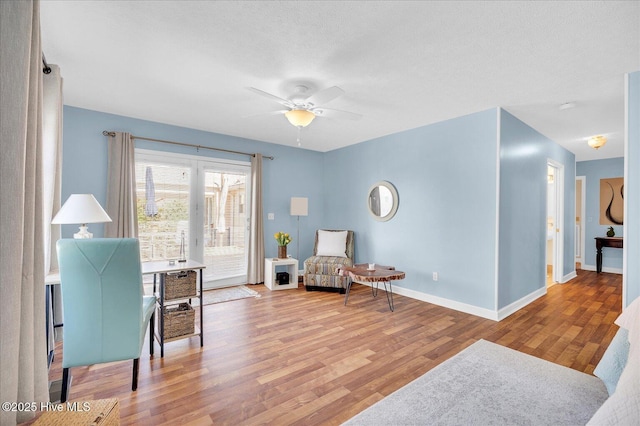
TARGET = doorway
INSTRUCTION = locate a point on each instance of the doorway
(554, 223)
(197, 208)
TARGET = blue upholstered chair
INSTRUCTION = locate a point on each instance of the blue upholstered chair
(105, 311)
(332, 250)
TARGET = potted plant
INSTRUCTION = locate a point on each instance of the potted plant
(283, 240)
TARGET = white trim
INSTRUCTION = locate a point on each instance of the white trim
(605, 269)
(466, 308)
(583, 208)
(558, 255)
(519, 304)
(496, 265)
(446, 303)
(625, 213)
(571, 275)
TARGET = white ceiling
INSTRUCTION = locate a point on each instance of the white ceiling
(402, 64)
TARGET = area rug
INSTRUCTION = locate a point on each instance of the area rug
(488, 384)
(226, 294)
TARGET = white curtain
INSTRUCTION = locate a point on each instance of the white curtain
(52, 162)
(121, 188)
(23, 362)
(51, 188)
(255, 272)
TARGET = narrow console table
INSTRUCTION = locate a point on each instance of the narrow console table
(614, 242)
(162, 268)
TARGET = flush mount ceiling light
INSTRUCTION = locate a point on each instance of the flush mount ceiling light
(300, 117)
(596, 142)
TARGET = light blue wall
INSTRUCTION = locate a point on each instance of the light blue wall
(524, 154)
(445, 175)
(294, 172)
(594, 171)
(632, 185)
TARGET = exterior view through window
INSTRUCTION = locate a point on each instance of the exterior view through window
(197, 204)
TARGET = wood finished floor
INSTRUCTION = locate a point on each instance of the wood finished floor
(297, 357)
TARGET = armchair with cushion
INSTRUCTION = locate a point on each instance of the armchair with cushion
(332, 250)
(105, 311)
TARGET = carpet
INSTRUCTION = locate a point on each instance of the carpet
(489, 384)
(225, 295)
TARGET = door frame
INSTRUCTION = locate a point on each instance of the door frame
(558, 243)
(198, 165)
(582, 228)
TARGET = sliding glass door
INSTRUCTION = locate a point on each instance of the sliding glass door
(196, 206)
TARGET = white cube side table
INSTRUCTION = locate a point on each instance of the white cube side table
(270, 265)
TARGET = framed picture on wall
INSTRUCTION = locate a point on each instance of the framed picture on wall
(612, 201)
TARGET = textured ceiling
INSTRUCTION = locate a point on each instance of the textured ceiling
(402, 64)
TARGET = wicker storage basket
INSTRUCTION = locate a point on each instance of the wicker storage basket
(178, 320)
(181, 284)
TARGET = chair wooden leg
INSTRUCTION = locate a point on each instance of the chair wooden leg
(134, 382)
(66, 378)
(151, 332)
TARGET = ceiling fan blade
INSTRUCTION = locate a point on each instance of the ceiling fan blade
(281, 101)
(282, 111)
(324, 96)
(336, 113)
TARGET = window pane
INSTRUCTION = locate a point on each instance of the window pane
(163, 210)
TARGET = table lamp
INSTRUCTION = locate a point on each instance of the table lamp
(82, 209)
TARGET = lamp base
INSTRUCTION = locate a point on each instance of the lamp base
(83, 233)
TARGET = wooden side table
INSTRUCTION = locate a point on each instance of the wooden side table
(380, 274)
(615, 242)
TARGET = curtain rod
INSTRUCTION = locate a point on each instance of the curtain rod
(45, 66)
(107, 133)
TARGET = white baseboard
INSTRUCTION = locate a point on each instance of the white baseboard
(466, 308)
(571, 275)
(446, 303)
(604, 269)
(519, 304)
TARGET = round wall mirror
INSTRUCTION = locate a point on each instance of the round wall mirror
(382, 201)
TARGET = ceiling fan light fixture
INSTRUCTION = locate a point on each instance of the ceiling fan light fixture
(300, 117)
(596, 142)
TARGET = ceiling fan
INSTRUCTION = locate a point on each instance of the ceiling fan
(303, 108)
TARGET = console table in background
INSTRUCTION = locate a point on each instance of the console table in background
(614, 242)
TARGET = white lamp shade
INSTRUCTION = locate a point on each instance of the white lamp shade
(81, 208)
(299, 206)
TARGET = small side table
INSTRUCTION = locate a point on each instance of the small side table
(380, 274)
(270, 265)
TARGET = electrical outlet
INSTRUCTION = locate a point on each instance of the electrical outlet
(271, 216)
(435, 276)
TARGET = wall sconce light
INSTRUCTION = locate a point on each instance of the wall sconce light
(596, 142)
